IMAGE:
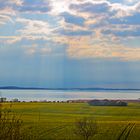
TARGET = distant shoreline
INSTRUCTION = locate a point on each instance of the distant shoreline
(82, 89)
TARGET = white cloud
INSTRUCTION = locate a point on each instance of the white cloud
(6, 15)
(8, 10)
(125, 10)
(60, 6)
(34, 27)
(5, 18)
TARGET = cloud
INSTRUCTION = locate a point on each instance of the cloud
(122, 10)
(131, 1)
(73, 19)
(129, 20)
(75, 33)
(16, 2)
(105, 17)
(9, 40)
(94, 23)
(34, 27)
(27, 45)
(4, 19)
(10, 3)
(124, 33)
(106, 7)
(60, 6)
(26, 6)
(103, 51)
(35, 49)
(7, 11)
(92, 7)
(32, 6)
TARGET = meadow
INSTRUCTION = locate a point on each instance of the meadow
(54, 121)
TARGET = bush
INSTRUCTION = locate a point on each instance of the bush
(12, 128)
(85, 128)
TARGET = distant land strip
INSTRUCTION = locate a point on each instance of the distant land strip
(39, 88)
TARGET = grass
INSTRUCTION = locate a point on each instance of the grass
(56, 120)
(12, 127)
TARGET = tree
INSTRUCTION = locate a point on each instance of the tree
(85, 128)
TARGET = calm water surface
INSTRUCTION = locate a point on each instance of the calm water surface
(57, 95)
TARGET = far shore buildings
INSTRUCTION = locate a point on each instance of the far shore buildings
(96, 102)
(107, 103)
(78, 101)
(104, 101)
(15, 100)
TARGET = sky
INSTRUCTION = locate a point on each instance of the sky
(70, 43)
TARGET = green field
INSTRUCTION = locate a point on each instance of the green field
(56, 120)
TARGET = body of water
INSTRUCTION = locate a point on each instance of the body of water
(63, 95)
